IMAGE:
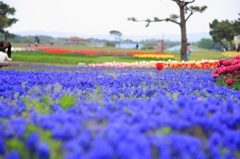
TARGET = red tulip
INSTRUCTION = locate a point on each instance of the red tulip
(159, 66)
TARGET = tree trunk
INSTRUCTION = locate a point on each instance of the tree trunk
(183, 35)
(184, 43)
(231, 45)
(119, 42)
(221, 44)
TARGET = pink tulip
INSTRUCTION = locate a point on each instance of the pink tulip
(227, 63)
(215, 75)
(234, 73)
(229, 81)
(231, 69)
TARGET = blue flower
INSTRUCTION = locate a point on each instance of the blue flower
(100, 150)
(13, 155)
(43, 151)
(2, 147)
(32, 141)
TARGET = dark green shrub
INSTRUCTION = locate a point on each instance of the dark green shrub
(110, 44)
(150, 47)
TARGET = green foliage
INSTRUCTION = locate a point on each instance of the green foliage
(45, 136)
(222, 30)
(236, 26)
(208, 44)
(222, 81)
(110, 44)
(67, 101)
(116, 33)
(166, 130)
(174, 17)
(237, 154)
(16, 144)
(28, 39)
(42, 42)
(5, 21)
(195, 9)
(166, 44)
(147, 48)
(150, 48)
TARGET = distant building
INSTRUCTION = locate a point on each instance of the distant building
(160, 46)
(75, 41)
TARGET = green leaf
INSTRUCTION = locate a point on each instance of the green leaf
(166, 130)
(67, 101)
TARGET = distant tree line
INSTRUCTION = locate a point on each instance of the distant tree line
(61, 41)
(153, 42)
(147, 44)
(93, 41)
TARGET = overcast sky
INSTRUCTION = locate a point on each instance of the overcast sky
(101, 16)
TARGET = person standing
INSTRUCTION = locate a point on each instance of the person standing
(238, 48)
(189, 49)
(37, 41)
(137, 46)
(6, 45)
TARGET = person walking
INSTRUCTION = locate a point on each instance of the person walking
(37, 41)
(6, 45)
(238, 48)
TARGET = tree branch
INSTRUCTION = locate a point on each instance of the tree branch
(155, 20)
(183, 3)
(186, 3)
(177, 1)
(189, 15)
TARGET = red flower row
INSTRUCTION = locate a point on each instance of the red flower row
(198, 65)
(89, 52)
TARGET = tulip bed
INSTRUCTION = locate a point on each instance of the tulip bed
(228, 71)
(142, 55)
(86, 56)
(128, 113)
(230, 54)
(133, 54)
(204, 64)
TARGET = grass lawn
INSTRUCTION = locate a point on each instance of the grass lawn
(73, 59)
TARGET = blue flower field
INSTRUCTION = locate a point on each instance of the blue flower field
(49, 112)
